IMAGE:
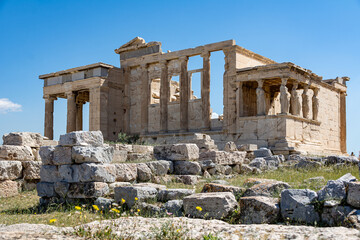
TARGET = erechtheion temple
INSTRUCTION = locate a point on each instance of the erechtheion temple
(277, 105)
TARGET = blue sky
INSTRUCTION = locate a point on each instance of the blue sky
(43, 36)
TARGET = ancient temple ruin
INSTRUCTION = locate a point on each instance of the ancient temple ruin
(277, 105)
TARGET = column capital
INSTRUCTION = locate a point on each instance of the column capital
(227, 51)
(260, 82)
(316, 91)
(144, 66)
(295, 85)
(183, 58)
(49, 98)
(69, 94)
(163, 62)
(205, 54)
(284, 80)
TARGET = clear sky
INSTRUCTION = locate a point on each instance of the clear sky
(43, 36)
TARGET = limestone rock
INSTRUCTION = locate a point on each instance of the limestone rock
(214, 205)
(175, 207)
(262, 152)
(307, 164)
(143, 149)
(187, 179)
(174, 194)
(296, 205)
(8, 188)
(126, 172)
(143, 172)
(149, 209)
(160, 167)
(45, 189)
(61, 188)
(129, 194)
(206, 164)
(118, 184)
(158, 187)
(47, 154)
(259, 163)
(87, 190)
(347, 178)
(32, 170)
(224, 158)
(181, 151)
(187, 168)
(315, 180)
(230, 147)
(49, 173)
(246, 169)
(267, 188)
(92, 172)
(91, 154)
(335, 216)
(334, 190)
(119, 156)
(19, 153)
(353, 196)
(247, 147)
(82, 138)
(213, 187)
(23, 139)
(341, 159)
(10, 170)
(103, 203)
(259, 210)
(62, 155)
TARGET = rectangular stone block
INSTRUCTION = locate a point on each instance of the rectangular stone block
(119, 156)
(10, 170)
(8, 188)
(23, 139)
(224, 158)
(32, 170)
(49, 173)
(91, 172)
(90, 154)
(87, 190)
(181, 151)
(47, 154)
(126, 172)
(129, 194)
(20, 153)
(82, 138)
(45, 189)
(62, 155)
(143, 149)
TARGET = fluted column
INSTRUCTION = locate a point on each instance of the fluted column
(145, 99)
(305, 102)
(164, 96)
(315, 104)
(184, 94)
(49, 117)
(239, 100)
(71, 112)
(260, 101)
(79, 116)
(295, 100)
(205, 90)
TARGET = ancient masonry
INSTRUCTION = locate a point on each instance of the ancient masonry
(280, 106)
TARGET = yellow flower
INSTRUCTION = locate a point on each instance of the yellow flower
(77, 208)
(178, 230)
(95, 207)
(199, 208)
(52, 220)
(138, 210)
(136, 199)
(122, 201)
(115, 210)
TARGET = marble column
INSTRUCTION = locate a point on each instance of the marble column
(205, 90)
(295, 100)
(260, 98)
(239, 100)
(79, 116)
(71, 112)
(305, 102)
(49, 117)
(284, 97)
(145, 99)
(164, 96)
(184, 94)
(315, 104)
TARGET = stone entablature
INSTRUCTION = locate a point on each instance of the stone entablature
(151, 95)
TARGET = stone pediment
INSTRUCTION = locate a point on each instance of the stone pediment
(135, 44)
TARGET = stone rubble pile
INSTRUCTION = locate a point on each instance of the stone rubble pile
(19, 162)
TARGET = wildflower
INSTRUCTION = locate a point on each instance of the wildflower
(169, 213)
(77, 208)
(199, 208)
(95, 207)
(138, 210)
(178, 230)
(115, 204)
(51, 221)
(115, 210)
(123, 201)
(136, 199)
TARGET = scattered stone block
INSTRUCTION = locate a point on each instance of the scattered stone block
(332, 160)
(129, 194)
(47, 154)
(126, 172)
(23, 139)
(347, 178)
(259, 210)
(307, 164)
(160, 167)
(206, 164)
(335, 216)
(224, 158)
(174, 194)
(296, 206)
(266, 188)
(213, 205)
(230, 147)
(247, 147)
(187, 179)
(175, 207)
(315, 180)
(262, 152)
(103, 203)
(62, 156)
(10, 170)
(8, 188)
(158, 187)
(259, 163)
(118, 184)
(82, 138)
(87, 190)
(186, 168)
(45, 189)
(16, 153)
(90, 154)
(143, 172)
(353, 196)
(213, 187)
(176, 152)
(334, 190)
(31, 170)
(223, 169)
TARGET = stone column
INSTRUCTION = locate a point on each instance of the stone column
(145, 99)
(239, 100)
(49, 117)
(71, 112)
(79, 116)
(315, 104)
(260, 101)
(343, 122)
(284, 97)
(164, 96)
(205, 90)
(127, 101)
(184, 94)
(305, 102)
(295, 100)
